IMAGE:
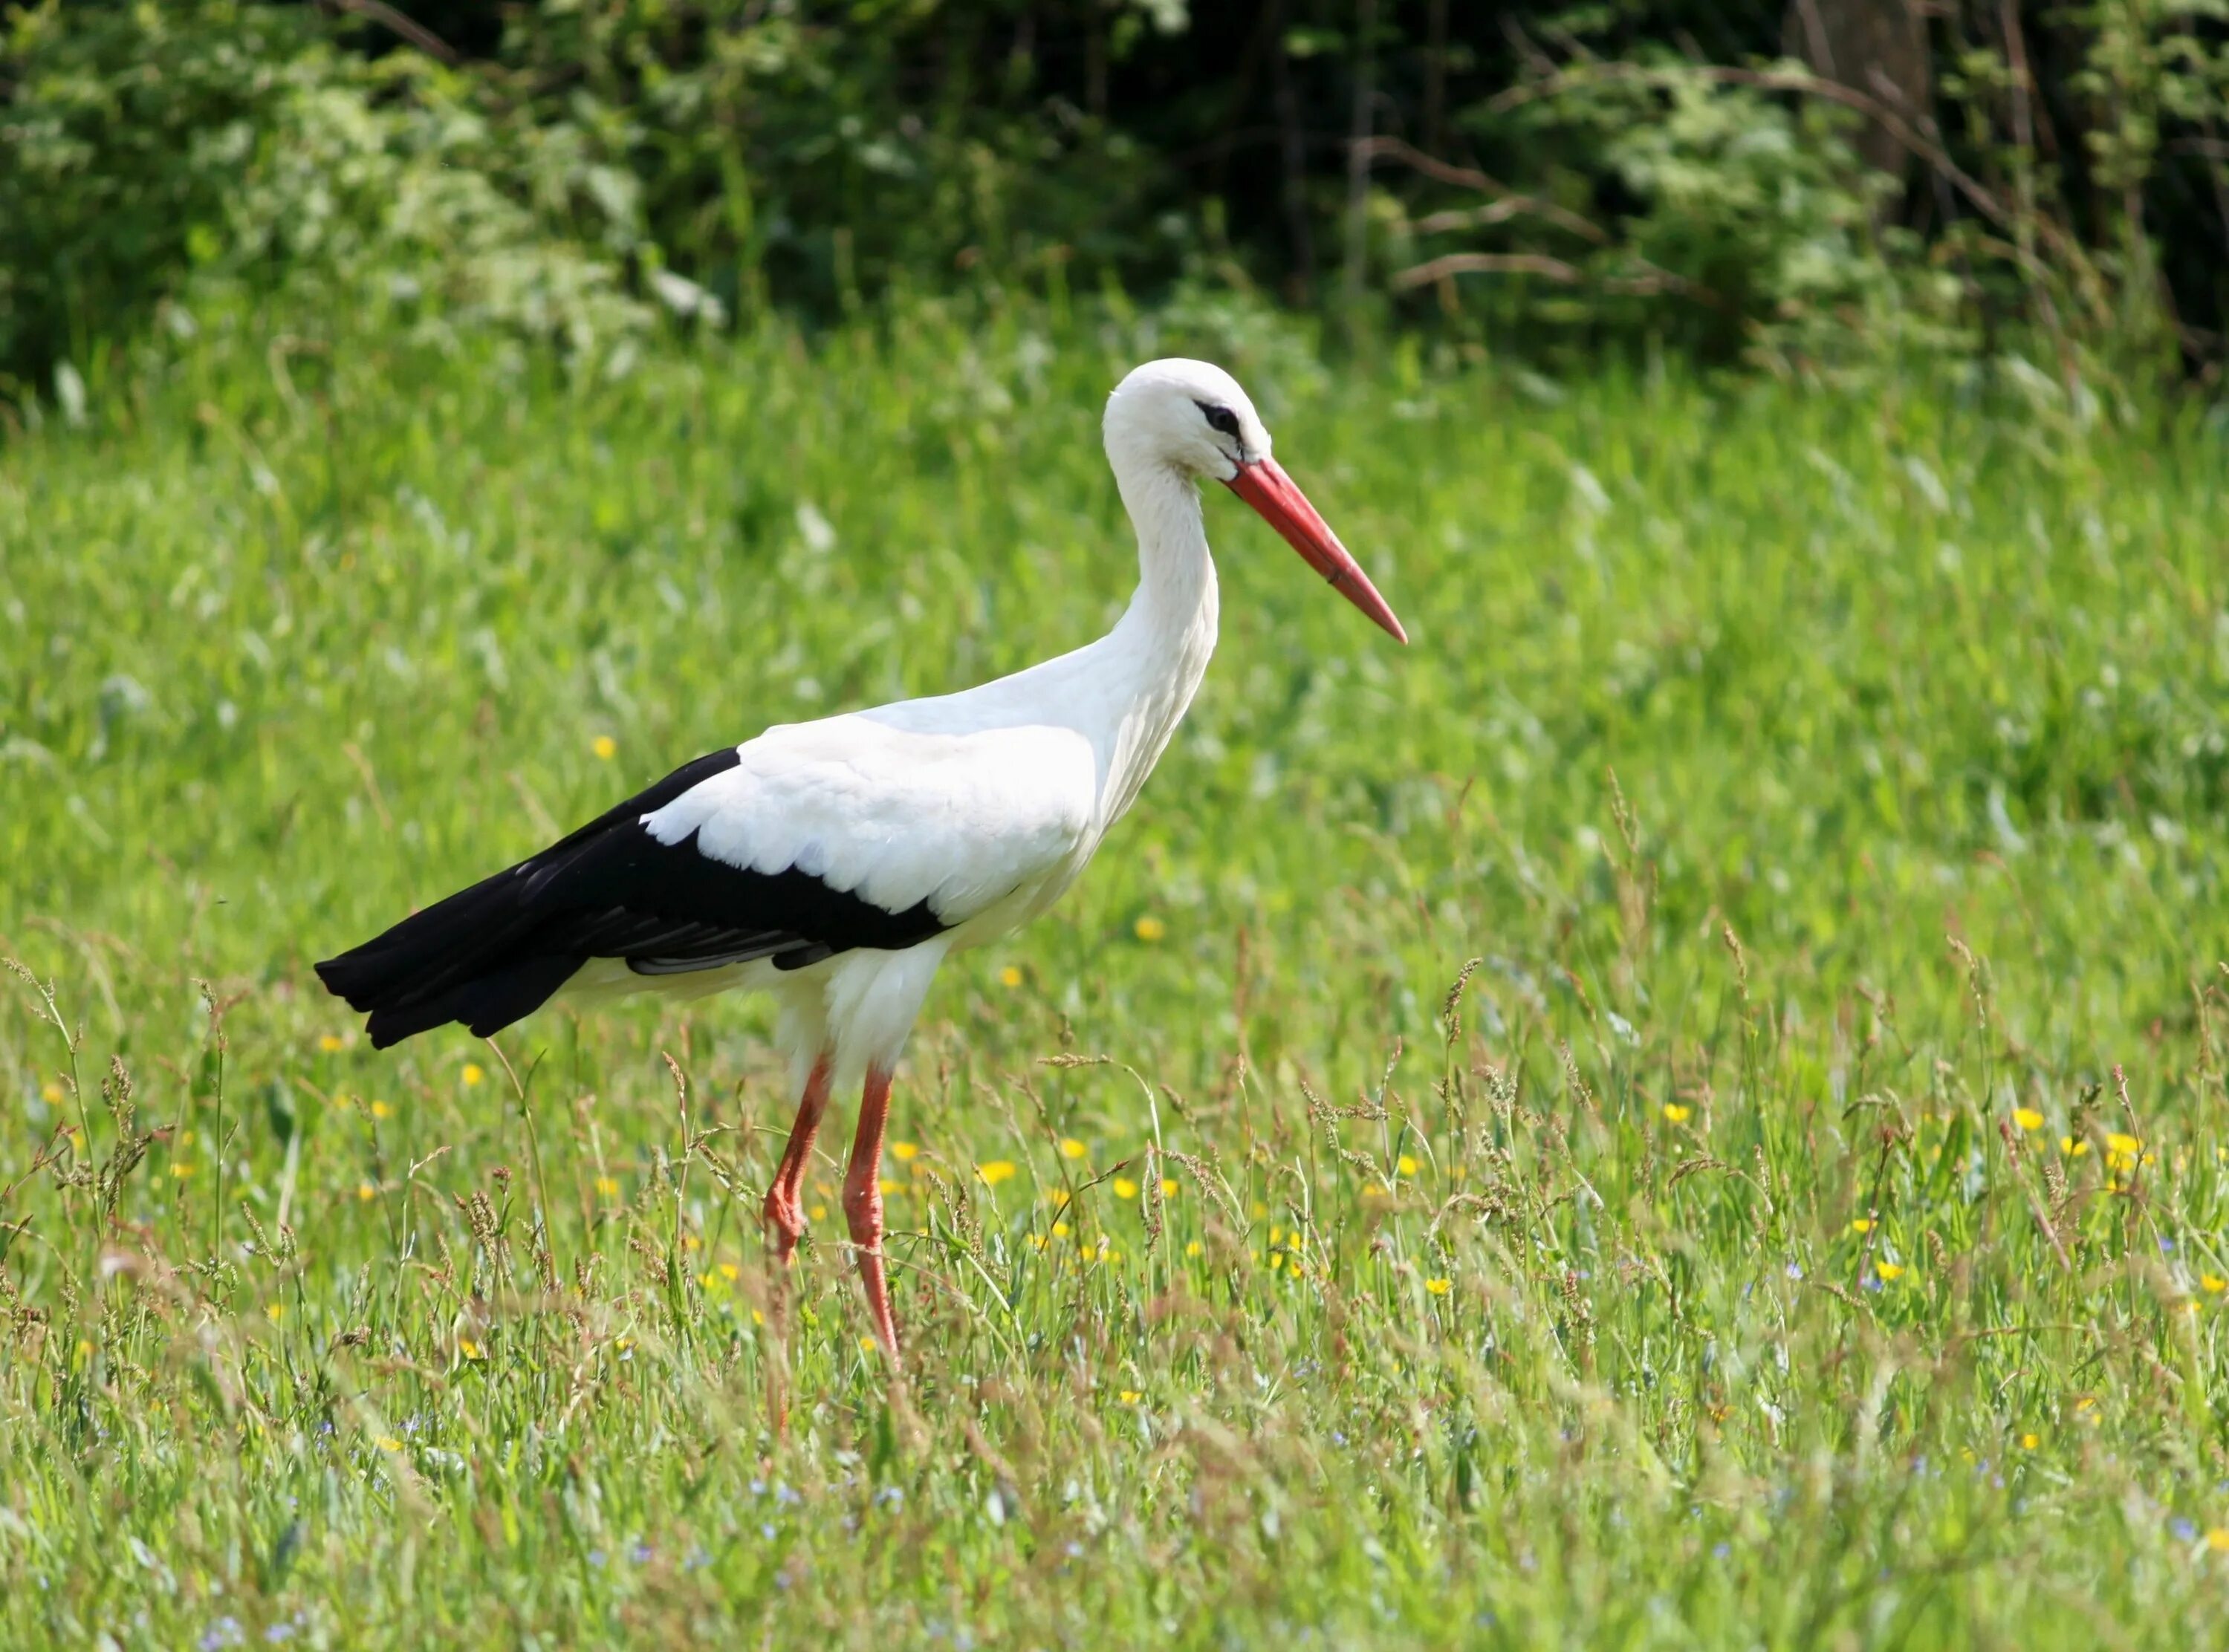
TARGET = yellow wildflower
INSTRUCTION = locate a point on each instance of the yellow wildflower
(332, 1043)
(818, 1213)
(1010, 976)
(1130, 1396)
(609, 1188)
(729, 1271)
(2127, 1146)
(2027, 1118)
(1861, 1225)
(2073, 1149)
(890, 1187)
(1438, 1287)
(1889, 1270)
(380, 1109)
(995, 1171)
(1406, 1165)
(274, 1311)
(364, 1190)
(51, 1093)
(904, 1152)
(1675, 1113)
(1072, 1148)
(473, 1073)
(2217, 1540)
(1194, 1248)
(2029, 1442)
(2213, 1284)
(1149, 928)
(469, 1348)
(605, 747)
(1125, 1189)
(388, 1442)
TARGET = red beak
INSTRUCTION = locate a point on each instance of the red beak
(1264, 485)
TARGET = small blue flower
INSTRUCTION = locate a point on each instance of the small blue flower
(596, 1559)
(640, 1553)
(2184, 1531)
(1718, 1552)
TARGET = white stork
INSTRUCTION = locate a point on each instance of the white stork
(834, 864)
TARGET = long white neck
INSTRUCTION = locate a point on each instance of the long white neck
(1150, 665)
(1126, 692)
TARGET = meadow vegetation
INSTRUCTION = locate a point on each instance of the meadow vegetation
(1684, 1109)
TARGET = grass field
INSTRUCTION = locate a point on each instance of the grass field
(1686, 1109)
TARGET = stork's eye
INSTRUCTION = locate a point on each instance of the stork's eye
(1220, 418)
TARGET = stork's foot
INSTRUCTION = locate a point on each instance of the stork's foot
(863, 1207)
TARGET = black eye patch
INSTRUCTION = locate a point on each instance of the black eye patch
(1219, 418)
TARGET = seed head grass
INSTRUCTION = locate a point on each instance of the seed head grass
(1684, 1109)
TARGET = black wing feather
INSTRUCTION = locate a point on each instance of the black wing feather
(493, 953)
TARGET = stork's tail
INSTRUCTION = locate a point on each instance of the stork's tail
(462, 959)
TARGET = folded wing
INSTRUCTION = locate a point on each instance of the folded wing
(812, 840)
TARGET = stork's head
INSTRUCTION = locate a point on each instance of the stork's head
(1191, 417)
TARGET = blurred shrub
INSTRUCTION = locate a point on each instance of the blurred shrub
(147, 148)
(1535, 179)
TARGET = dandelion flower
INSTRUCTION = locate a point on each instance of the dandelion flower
(1406, 1165)
(365, 1191)
(1675, 1113)
(1194, 1248)
(473, 1074)
(2217, 1540)
(1072, 1148)
(380, 1109)
(1168, 1188)
(606, 1186)
(2073, 1149)
(274, 1311)
(1889, 1270)
(1861, 1225)
(820, 1212)
(995, 1171)
(2213, 1284)
(904, 1152)
(890, 1187)
(332, 1043)
(388, 1442)
(51, 1093)
(1125, 1189)
(2029, 1442)
(1130, 1396)
(605, 747)
(729, 1271)
(469, 1348)
(2127, 1146)
(181, 1171)
(2027, 1118)
(1438, 1287)
(1010, 976)
(1149, 928)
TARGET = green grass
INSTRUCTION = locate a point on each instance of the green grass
(1916, 702)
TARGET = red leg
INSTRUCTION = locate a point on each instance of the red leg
(863, 1204)
(785, 1204)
